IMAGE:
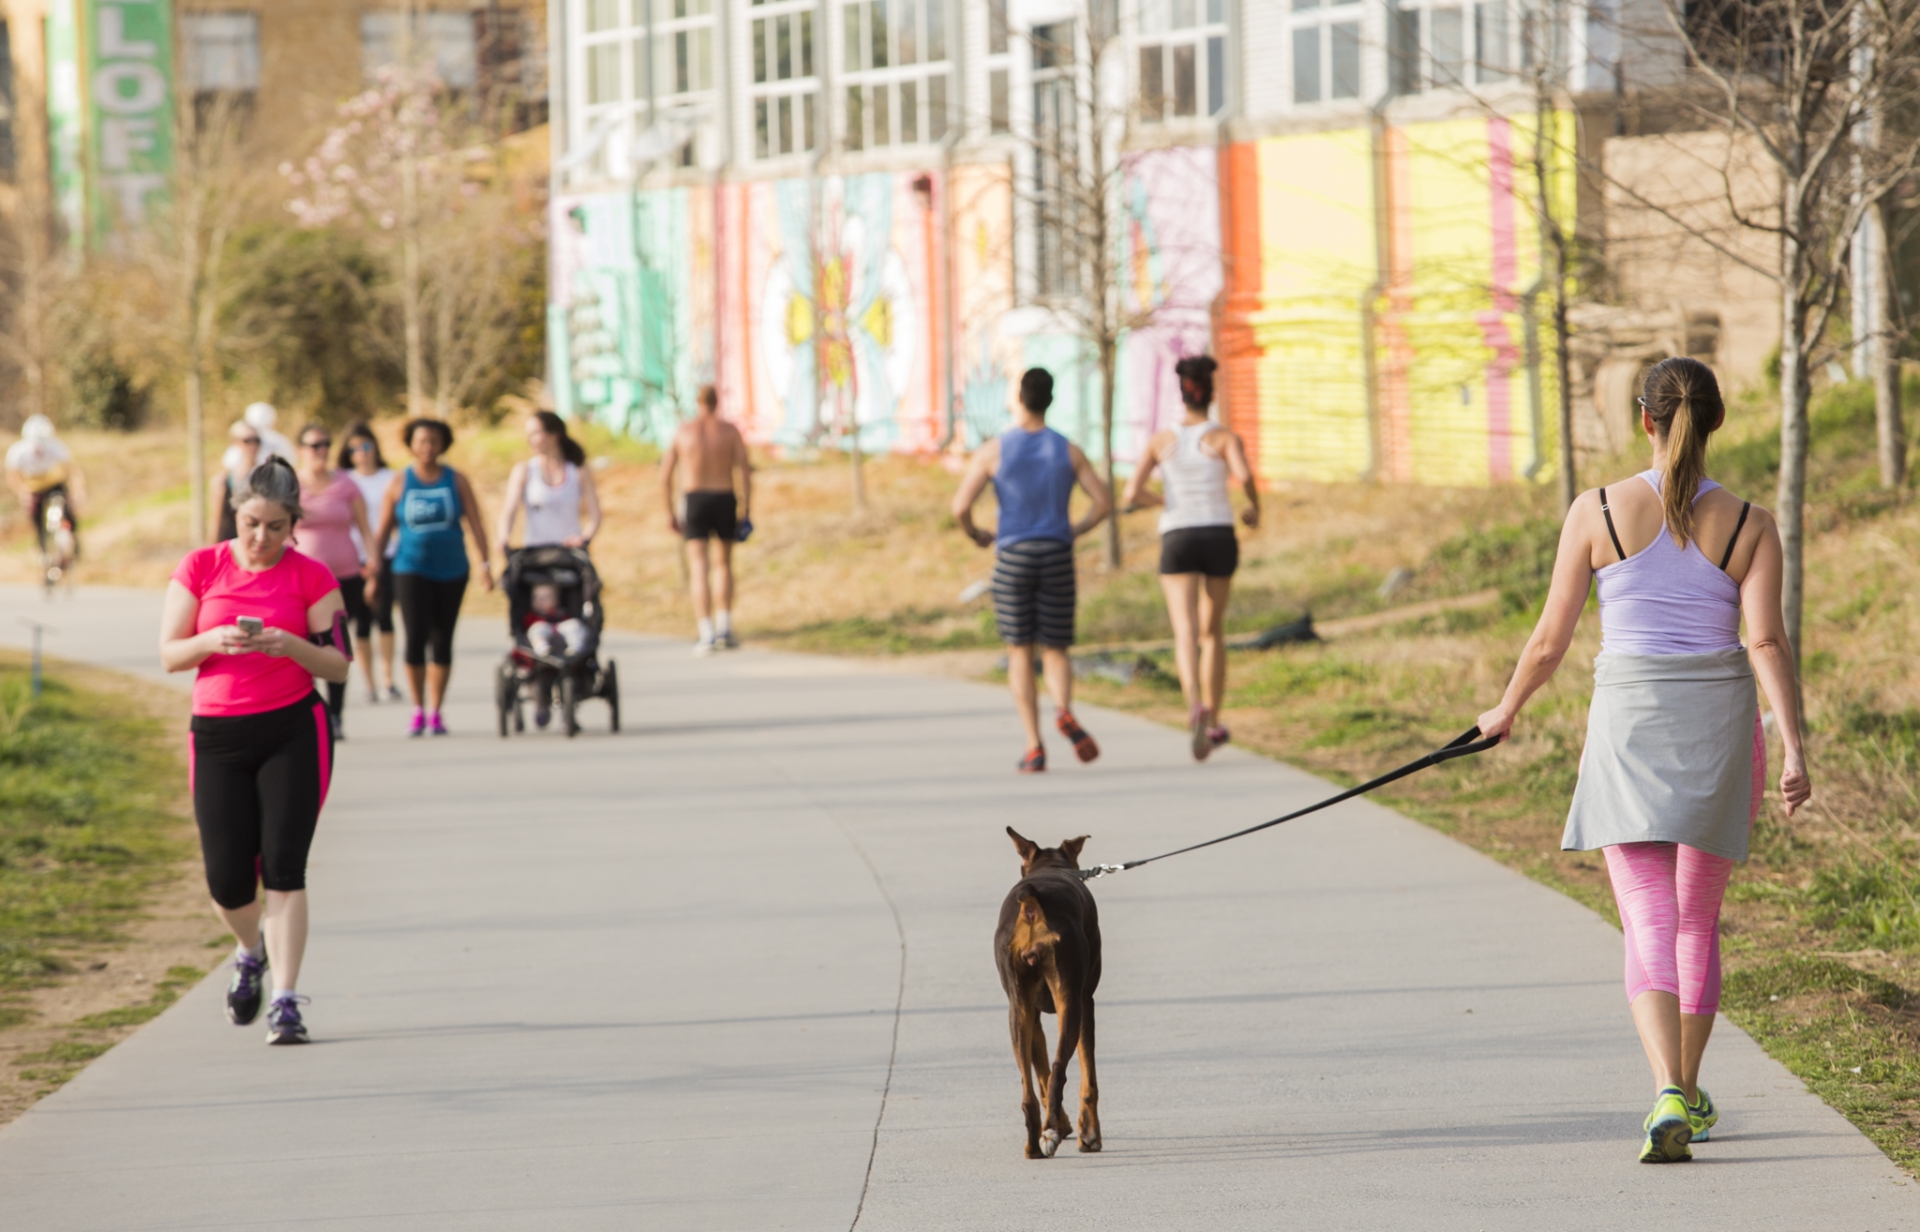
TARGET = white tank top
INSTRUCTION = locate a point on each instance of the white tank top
(553, 512)
(1194, 482)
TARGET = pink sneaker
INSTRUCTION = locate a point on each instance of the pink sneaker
(434, 725)
(419, 723)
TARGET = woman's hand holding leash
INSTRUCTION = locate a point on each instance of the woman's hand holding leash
(1497, 723)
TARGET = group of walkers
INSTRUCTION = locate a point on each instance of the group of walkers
(1671, 779)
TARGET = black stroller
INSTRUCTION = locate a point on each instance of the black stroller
(566, 677)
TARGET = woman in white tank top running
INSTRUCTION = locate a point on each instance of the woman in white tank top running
(554, 487)
(1198, 550)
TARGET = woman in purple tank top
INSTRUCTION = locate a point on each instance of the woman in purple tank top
(1675, 761)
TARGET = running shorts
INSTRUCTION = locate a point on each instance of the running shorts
(1212, 550)
(1034, 593)
(711, 514)
(258, 781)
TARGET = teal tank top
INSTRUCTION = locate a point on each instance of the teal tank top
(428, 516)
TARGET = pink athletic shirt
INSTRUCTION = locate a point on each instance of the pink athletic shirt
(280, 597)
(325, 529)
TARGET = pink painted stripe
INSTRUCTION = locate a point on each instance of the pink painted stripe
(325, 739)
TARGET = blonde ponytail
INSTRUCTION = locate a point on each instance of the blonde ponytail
(1684, 400)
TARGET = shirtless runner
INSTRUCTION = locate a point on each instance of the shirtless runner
(713, 452)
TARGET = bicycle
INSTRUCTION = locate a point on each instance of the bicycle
(56, 542)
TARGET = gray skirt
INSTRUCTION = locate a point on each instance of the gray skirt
(1669, 755)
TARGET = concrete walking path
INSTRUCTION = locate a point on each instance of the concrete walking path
(650, 981)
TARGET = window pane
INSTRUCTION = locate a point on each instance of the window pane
(1182, 14)
(222, 51)
(936, 31)
(783, 48)
(603, 15)
(881, 135)
(761, 147)
(1183, 83)
(703, 58)
(937, 107)
(1493, 47)
(682, 62)
(1215, 12)
(760, 50)
(877, 27)
(850, 32)
(1344, 51)
(907, 27)
(785, 109)
(603, 73)
(807, 121)
(1053, 45)
(998, 111)
(1216, 76)
(996, 29)
(1301, 6)
(1306, 65)
(1403, 51)
(909, 112)
(1152, 88)
(1449, 47)
(806, 44)
(856, 120)
(1153, 15)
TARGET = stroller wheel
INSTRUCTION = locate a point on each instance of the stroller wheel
(505, 689)
(569, 701)
(610, 689)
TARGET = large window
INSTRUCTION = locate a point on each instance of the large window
(895, 63)
(1449, 45)
(1326, 50)
(641, 70)
(1056, 159)
(999, 96)
(221, 51)
(782, 49)
(1183, 59)
(445, 40)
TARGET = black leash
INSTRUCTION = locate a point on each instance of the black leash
(1463, 745)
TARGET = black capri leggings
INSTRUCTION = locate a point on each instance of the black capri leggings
(367, 613)
(428, 610)
(258, 783)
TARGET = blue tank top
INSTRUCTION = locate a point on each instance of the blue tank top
(1033, 483)
(428, 516)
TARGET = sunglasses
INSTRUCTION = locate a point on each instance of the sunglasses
(362, 447)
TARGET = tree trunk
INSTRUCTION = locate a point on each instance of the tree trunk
(1563, 377)
(442, 351)
(196, 449)
(1108, 356)
(1885, 351)
(1794, 391)
(410, 281)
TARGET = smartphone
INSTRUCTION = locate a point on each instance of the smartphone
(252, 626)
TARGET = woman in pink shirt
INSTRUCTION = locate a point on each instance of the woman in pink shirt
(258, 621)
(331, 510)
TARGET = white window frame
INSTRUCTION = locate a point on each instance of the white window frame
(1447, 53)
(785, 118)
(447, 36)
(1164, 30)
(1326, 29)
(861, 82)
(233, 35)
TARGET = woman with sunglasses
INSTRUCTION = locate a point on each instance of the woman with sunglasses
(332, 513)
(361, 461)
(243, 454)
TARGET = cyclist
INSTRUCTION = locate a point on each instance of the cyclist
(39, 465)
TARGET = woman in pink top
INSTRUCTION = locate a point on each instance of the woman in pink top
(258, 621)
(1675, 762)
(331, 510)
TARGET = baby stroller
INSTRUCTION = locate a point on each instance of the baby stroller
(566, 677)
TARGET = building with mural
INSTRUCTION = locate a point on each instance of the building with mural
(838, 212)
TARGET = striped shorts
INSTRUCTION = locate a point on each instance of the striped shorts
(1033, 593)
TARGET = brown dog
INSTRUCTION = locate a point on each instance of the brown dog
(1047, 947)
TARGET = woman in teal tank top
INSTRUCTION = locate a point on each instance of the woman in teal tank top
(430, 568)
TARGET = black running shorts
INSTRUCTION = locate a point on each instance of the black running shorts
(1212, 550)
(711, 514)
(1034, 594)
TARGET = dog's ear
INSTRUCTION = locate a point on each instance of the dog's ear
(1025, 846)
(1071, 848)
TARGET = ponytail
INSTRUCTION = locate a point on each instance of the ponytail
(1684, 400)
(553, 425)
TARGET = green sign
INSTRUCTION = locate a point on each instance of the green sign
(66, 117)
(129, 98)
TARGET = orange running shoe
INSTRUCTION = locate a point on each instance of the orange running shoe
(1035, 762)
(1083, 746)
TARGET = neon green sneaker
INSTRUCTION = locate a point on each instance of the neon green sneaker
(1702, 1115)
(1668, 1129)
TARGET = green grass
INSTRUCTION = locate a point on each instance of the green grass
(909, 631)
(85, 826)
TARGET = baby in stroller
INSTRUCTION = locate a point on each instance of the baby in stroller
(550, 631)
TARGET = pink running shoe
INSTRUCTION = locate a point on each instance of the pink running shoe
(1219, 734)
(435, 726)
(419, 723)
(1201, 744)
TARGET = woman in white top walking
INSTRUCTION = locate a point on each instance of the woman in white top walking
(1198, 550)
(373, 617)
(554, 487)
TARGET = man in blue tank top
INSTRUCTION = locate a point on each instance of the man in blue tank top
(1033, 470)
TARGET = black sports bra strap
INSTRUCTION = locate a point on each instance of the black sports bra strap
(1612, 534)
(1746, 507)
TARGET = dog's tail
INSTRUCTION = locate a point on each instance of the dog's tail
(1033, 937)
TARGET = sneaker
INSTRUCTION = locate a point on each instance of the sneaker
(1201, 743)
(1035, 762)
(1218, 734)
(283, 1021)
(1083, 746)
(243, 994)
(1668, 1130)
(434, 725)
(1702, 1116)
(419, 723)
(727, 641)
(373, 696)
(393, 693)
(704, 647)
(339, 728)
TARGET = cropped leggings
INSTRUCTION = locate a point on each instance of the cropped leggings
(429, 609)
(258, 781)
(1669, 898)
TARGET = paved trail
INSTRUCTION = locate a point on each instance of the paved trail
(650, 982)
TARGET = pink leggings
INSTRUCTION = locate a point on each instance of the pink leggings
(1669, 898)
